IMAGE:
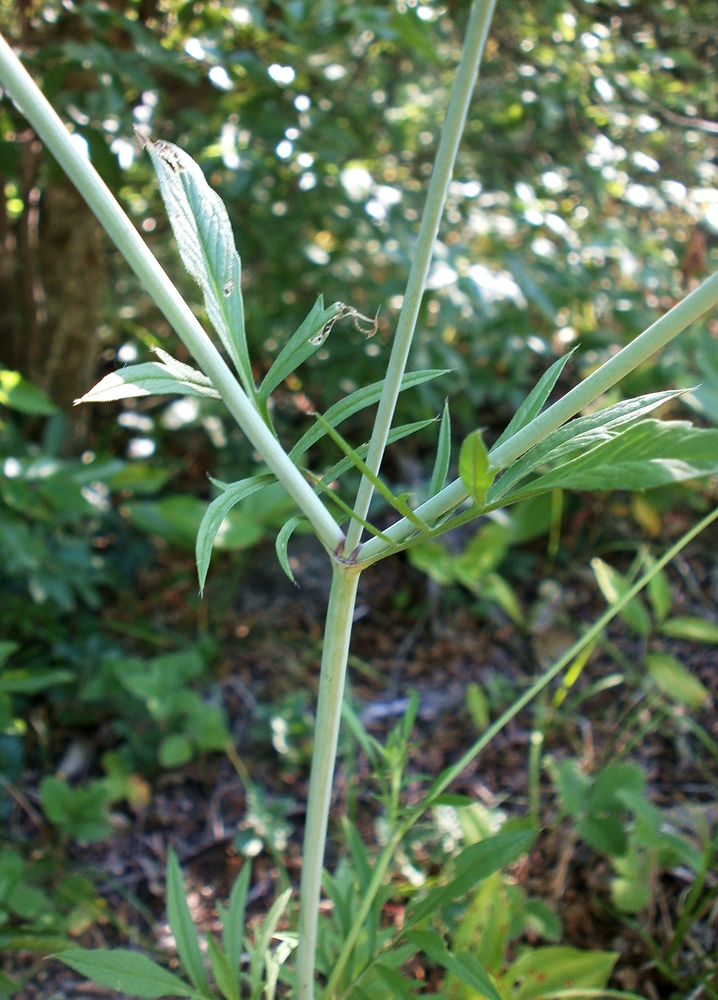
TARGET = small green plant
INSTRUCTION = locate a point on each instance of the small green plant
(621, 446)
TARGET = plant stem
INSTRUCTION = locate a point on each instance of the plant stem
(48, 125)
(451, 773)
(337, 633)
(476, 33)
(612, 371)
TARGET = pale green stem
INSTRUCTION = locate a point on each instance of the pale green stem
(20, 85)
(476, 32)
(337, 633)
(452, 773)
(612, 371)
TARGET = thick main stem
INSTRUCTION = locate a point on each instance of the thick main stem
(98, 196)
(476, 33)
(337, 633)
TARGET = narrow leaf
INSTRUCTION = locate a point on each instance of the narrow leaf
(475, 863)
(125, 971)
(398, 503)
(215, 515)
(258, 958)
(301, 345)
(613, 586)
(672, 678)
(225, 977)
(534, 402)
(203, 232)
(182, 925)
(693, 629)
(443, 454)
(465, 968)
(149, 379)
(474, 469)
(282, 541)
(395, 434)
(233, 919)
(578, 436)
(355, 402)
(645, 455)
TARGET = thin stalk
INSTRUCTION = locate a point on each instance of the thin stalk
(450, 774)
(48, 125)
(476, 33)
(657, 335)
(337, 633)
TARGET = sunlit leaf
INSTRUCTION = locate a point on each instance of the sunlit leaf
(474, 468)
(534, 402)
(301, 345)
(154, 378)
(214, 517)
(203, 232)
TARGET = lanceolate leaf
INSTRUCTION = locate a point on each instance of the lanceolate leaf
(154, 378)
(285, 533)
(233, 918)
(215, 515)
(126, 971)
(534, 402)
(645, 455)
(474, 470)
(475, 863)
(224, 976)
(395, 434)
(355, 402)
(182, 925)
(203, 232)
(443, 454)
(462, 966)
(301, 345)
(578, 436)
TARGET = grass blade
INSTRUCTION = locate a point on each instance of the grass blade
(182, 925)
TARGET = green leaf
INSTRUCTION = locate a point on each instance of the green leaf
(603, 796)
(175, 750)
(19, 394)
(672, 678)
(182, 925)
(355, 402)
(79, 812)
(613, 586)
(27, 681)
(264, 939)
(7, 648)
(542, 920)
(395, 981)
(233, 918)
(176, 518)
(474, 469)
(546, 970)
(397, 502)
(443, 453)
(301, 345)
(167, 378)
(578, 436)
(215, 515)
(659, 593)
(465, 967)
(534, 402)
(486, 925)
(474, 863)
(224, 977)
(604, 833)
(573, 787)
(203, 232)
(395, 434)
(125, 971)
(693, 629)
(645, 455)
(282, 541)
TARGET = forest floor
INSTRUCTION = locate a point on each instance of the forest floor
(408, 636)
